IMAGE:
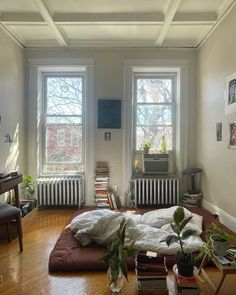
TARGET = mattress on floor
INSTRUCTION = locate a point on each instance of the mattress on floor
(69, 255)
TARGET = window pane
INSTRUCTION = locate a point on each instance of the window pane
(64, 120)
(154, 90)
(64, 95)
(154, 115)
(67, 157)
(153, 134)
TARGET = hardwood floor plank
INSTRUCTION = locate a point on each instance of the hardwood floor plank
(27, 273)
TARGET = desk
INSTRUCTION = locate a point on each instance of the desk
(224, 269)
(11, 183)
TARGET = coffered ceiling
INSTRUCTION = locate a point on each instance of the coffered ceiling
(111, 23)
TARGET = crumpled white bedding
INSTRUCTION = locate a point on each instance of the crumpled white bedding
(146, 230)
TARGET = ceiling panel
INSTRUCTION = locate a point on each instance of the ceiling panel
(189, 35)
(110, 32)
(145, 23)
(26, 33)
(17, 6)
(200, 5)
(106, 6)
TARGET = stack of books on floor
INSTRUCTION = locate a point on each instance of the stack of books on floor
(192, 200)
(185, 285)
(151, 273)
(101, 186)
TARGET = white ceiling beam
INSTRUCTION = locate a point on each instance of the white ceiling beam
(108, 18)
(49, 20)
(170, 13)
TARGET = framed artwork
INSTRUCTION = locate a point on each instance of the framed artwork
(219, 131)
(230, 94)
(232, 135)
(107, 136)
(109, 113)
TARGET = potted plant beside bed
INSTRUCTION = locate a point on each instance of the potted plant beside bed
(116, 257)
(220, 239)
(184, 261)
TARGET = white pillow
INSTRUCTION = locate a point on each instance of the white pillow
(160, 217)
(195, 224)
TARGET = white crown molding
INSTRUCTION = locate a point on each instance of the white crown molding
(225, 218)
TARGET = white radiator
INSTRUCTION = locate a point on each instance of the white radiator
(60, 191)
(155, 191)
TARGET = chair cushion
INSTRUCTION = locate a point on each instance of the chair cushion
(7, 210)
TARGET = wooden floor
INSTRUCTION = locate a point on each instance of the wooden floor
(27, 272)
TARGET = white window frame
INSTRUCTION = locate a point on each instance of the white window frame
(181, 69)
(156, 75)
(35, 68)
(42, 148)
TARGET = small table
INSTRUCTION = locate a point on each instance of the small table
(11, 183)
(224, 269)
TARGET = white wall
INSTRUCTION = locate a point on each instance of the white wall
(216, 60)
(12, 105)
(109, 74)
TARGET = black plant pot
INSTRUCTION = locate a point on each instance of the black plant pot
(185, 264)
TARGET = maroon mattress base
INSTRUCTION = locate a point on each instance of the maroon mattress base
(69, 255)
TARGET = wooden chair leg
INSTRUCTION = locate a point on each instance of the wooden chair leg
(8, 232)
(19, 231)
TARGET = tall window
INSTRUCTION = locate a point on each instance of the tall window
(62, 148)
(154, 110)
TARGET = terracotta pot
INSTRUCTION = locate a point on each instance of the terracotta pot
(146, 150)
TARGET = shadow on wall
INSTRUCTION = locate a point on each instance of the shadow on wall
(12, 158)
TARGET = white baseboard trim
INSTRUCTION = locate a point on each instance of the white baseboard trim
(224, 217)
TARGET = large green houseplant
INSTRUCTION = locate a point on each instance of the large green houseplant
(184, 261)
(116, 257)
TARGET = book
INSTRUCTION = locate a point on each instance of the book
(184, 282)
(151, 260)
(113, 199)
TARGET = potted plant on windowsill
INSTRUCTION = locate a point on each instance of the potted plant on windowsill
(146, 145)
(116, 257)
(184, 261)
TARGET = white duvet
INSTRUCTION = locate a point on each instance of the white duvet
(146, 230)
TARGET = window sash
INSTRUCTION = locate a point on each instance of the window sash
(170, 76)
(45, 116)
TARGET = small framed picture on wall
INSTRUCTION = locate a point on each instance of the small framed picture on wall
(232, 135)
(219, 131)
(230, 94)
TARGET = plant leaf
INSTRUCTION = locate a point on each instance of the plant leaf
(188, 233)
(124, 268)
(171, 239)
(184, 222)
(173, 226)
(179, 215)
